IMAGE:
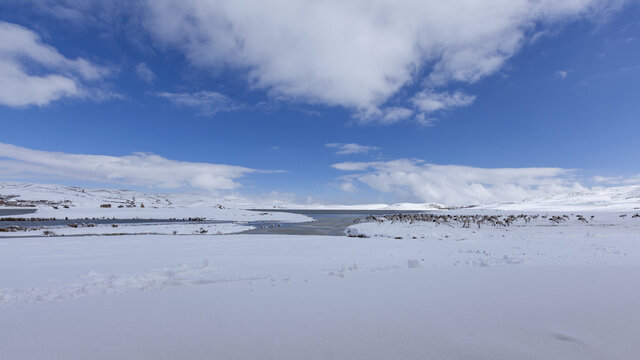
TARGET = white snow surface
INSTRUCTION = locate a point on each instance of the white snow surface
(539, 241)
(532, 291)
(621, 198)
(131, 229)
(85, 203)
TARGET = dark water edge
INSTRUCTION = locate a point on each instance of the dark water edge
(11, 212)
(341, 212)
(326, 222)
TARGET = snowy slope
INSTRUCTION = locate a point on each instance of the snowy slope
(56, 201)
(622, 198)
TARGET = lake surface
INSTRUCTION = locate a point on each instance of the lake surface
(327, 222)
(11, 212)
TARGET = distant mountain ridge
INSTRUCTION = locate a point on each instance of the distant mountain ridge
(613, 198)
(46, 196)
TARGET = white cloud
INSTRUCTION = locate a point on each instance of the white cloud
(459, 185)
(422, 119)
(606, 179)
(139, 169)
(383, 116)
(347, 186)
(33, 73)
(351, 148)
(206, 102)
(358, 54)
(617, 180)
(353, 165)
(394, 114)
(429, 101)
(144, 73)
(561, 75)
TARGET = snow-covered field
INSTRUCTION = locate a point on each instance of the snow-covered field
(131, 229)
(535, 289)
(55, 201)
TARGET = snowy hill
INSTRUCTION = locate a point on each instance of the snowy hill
(57, 201)
(90, 198)
(622, 198)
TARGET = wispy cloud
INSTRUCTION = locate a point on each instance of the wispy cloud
(139, 169)
(351, 148)
(144, 72)
(617, 180)
(21, 85)
(347, 186)
(561, 74)
(416, 180)
(207, 103)
(392, 115)
(429, 101)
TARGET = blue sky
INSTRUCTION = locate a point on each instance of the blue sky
(439, 106)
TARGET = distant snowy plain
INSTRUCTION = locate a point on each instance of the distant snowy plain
(421, 290)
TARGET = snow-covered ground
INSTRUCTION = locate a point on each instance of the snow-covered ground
(621, 198)
(56, 201)
(130, 229)
(548, 239)
(545, 287)
(527, 292)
